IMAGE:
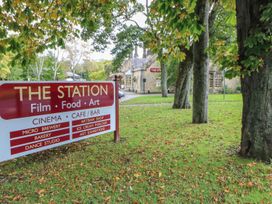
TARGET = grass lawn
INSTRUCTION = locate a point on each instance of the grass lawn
(158, 99)
(162, 158)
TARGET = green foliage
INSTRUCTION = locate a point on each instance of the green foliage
(172, 26)
(94, 71)
(98, 75)
(163, 32)
(259, 43)
(4, 66)
(34, 26)
(172, 67)
(48, 73)
(223, 47)
(17, 72)
(124, 42)
(180, 18)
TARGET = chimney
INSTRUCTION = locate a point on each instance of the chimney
(144, 53)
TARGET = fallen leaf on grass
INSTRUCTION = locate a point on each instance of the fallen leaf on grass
(17, 198)
(107, 199)
(269, 177)
(250, 184)
(41, 180)
(215, 199)
(226, 190)
(138, 174)
(168, 142)
(40, 192)
(160, 174)
(251, 164)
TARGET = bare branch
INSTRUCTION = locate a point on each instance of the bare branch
(136, 23)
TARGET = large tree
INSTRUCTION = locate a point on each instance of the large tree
(56, 56)
(223, 49)
(77, 52)
(254, 29)
(201, 65)
(188, 19)
(154, 34)
(30, 27)
(182, 91)
(125, 41)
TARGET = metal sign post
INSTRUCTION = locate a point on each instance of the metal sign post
(116, 132)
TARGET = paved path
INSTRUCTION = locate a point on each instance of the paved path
(147, 104)
(129, 96)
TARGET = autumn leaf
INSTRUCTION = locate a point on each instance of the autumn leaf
(226, 190)
(41, 192)
(107, 199)
(17, 198)
(41, 180)
(160, 174)
(137, 174)
(250, 184)
(251, 164)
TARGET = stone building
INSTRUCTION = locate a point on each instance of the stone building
(143, 75)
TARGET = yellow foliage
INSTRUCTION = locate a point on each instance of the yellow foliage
(4, 67)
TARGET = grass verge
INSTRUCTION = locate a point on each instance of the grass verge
(162, 158)
(158, 99)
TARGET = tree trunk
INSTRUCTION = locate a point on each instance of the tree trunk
(163, 76)
(186, 103)
(181, 98)
(256, 88)
(201, 66)
(163, 79)
(73, 72)
(55, 74)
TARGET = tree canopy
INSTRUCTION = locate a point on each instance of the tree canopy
(30, 27)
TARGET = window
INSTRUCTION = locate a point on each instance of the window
(158, 83)
(216, 79)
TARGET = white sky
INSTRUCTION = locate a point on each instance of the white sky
(140, 18)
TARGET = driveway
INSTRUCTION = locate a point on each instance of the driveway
(129, 96)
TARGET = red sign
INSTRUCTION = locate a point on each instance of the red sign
(39, 116)
(40, 144)
(30, 131)
(18, 100)
(155, 69)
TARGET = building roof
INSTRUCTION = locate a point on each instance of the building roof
(139, 63)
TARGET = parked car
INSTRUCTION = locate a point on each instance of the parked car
(121, 94)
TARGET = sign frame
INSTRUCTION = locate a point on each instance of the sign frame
(86, 122)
